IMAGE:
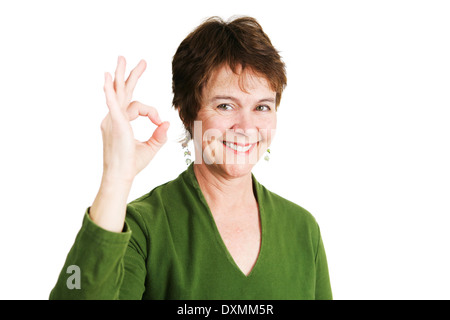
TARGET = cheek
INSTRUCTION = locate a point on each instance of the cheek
(213, 130)
(206, 127)
(267, 129)
(209, 134)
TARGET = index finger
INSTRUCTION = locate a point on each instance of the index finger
(137, 108)
(135, 74)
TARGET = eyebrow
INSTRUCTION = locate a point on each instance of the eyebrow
(219, 97)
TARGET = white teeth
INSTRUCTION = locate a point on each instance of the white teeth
(237, 148)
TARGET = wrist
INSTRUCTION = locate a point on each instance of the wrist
(109, 207)
(116, 181)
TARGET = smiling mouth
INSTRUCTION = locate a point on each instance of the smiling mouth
(241, 148)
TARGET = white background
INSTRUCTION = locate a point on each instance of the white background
(362, 140)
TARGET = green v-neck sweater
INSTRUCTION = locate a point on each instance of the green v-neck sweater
(170, 248)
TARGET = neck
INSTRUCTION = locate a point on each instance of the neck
(224, 194)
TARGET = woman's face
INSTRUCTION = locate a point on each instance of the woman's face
(236, 123)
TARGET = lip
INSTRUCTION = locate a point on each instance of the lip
(241, 145)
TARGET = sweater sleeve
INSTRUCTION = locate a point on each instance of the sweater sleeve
(323, 286)
(97, 264)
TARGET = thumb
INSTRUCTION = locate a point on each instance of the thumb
(159, 137)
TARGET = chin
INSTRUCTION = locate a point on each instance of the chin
(235, 170)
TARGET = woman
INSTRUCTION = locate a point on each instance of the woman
(214, 232)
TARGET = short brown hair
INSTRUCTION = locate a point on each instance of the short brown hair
(238, 43)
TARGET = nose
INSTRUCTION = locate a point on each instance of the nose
(244, 125)
(243, 122)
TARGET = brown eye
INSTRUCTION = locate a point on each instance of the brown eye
(224, 106)
(262, 108)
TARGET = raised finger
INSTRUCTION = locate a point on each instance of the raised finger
(119, 75)
(136, 109)
(110, 94)
(134, 76)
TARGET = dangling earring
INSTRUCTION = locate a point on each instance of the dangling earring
(184, 145)
(267, 156)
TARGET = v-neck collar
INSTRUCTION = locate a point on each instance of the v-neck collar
(192, 180)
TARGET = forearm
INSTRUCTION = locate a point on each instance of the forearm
(94, 266)
(109, 207)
